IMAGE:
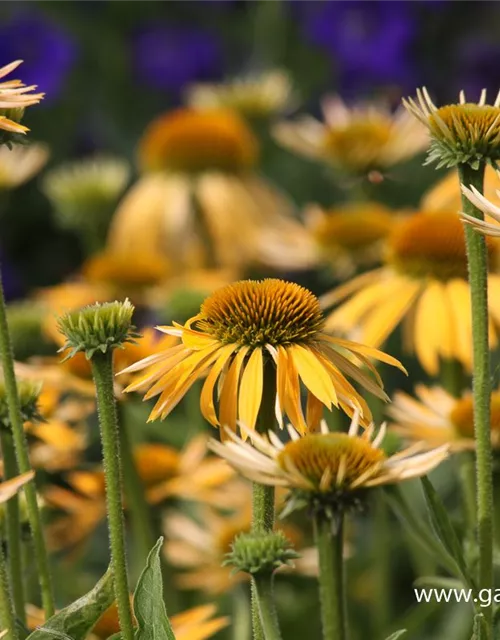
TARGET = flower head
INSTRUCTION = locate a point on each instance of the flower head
(254, 95)
(14, 98)
(244, 329)
(365, 138)
(460, 133)
(190, 141)
(325, 470)
(423, 283)
(435, 417)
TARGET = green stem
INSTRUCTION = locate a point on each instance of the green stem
(478, 279)
(102, 371)
(136, 500)
(263, 496)
(263, 586)
(23, 461)
(241, 616)
(13, 521)
(7, 615)
(331, 578)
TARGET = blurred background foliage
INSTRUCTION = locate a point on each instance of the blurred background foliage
(109, 67)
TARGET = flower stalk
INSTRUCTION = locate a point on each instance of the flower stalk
(478, 274)
(13, 525)
(7, 615)
(263, 588)
(102, 371)
(329, 538)
(23, 461)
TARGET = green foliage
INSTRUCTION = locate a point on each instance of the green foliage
(76, 620)
(149, 607)
(444, 529)
(396, 634)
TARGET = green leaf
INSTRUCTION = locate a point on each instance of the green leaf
(75, 621)
(396, 634)
(480, 628)
(438, 581)
(149, 607)
(444, 528)
(418, 529)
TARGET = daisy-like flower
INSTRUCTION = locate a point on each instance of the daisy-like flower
(434, 417)
(245, 328)
(15, 96)
(423, 283)
(490, 206)
(345, 238)
(133, 274)
(255, 95)
(359, 140)
(200, 199)
(21, 163)
(466, 132)
(198, 548)
(326, 469)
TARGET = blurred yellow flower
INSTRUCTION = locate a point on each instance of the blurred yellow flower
(434, 417)
(357, 140)
(255, 95)
(21, 163)
(488, 205)
(9, 488)
(245, 328)
(200, 201)
(188, 474)
(423, 284)
(15, 96)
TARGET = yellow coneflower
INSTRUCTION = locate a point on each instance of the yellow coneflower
(344, 237)
(359, 140)
(188, 474)
(200, 199)
(198, 548)
(423, 284)
(460, 133)
(9, 488)
(133, 274)
(241, 330)
(434, 417)
(255, 95)
(327, 466)
(15, 96)
(20, 163)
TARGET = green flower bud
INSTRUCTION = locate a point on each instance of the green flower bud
(98, 327)
(28, 392)
(260, 552)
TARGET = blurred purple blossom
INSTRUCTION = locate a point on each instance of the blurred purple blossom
(47, 49)
(370, 42)
(10, 280)
(168, 57)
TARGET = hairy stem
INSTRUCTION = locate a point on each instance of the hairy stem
(23, 461)
(263, 586)
(478, 278)
(331, 577)
(102, 370)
